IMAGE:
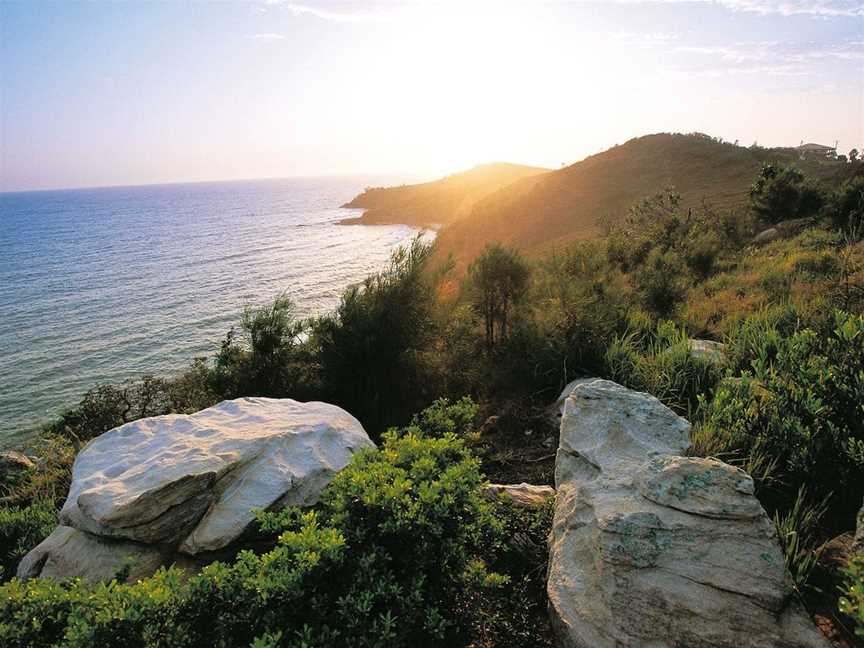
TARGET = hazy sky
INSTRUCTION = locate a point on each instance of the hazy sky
(106, 93)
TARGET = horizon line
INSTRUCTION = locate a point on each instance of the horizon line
(169, 183)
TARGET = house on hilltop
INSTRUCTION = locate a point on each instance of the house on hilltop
(816, 150)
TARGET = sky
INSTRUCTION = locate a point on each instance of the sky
(111, 93)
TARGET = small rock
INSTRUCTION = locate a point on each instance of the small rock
(707, 350)
(522, 495)
(766, 236)
(13, 463)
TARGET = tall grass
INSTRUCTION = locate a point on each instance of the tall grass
(662, 363)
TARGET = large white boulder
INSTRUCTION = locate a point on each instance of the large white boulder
(656, 550)
(189, 483)
(193, 480)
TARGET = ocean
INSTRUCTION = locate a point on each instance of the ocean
(103, 285)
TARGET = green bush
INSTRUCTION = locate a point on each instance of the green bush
(797, 531)
(48, 483)
(514, 616)
(761, 334)
(852, 601)
(660, 282)
(387, 559)
(21, 529)
(108, 406)
(796, 407)
(846, 207)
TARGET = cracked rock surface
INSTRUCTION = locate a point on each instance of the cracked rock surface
(652, 549)
(189, 483)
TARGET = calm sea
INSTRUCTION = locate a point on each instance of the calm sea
(101, 285)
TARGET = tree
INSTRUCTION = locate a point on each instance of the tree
(497, 281)
(260, 362)
(853, 155)
(781, 193)
(846, 208)
(371, 349)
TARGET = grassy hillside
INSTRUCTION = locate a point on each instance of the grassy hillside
(571, 203)
(438, 202)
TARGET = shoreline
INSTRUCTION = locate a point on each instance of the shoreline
(363, 220)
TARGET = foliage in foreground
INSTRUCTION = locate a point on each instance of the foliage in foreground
(852, 601)
(388, 558)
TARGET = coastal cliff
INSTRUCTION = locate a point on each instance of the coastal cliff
(436, 203)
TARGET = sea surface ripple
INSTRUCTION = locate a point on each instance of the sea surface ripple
(102, 285)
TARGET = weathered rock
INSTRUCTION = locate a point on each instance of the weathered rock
(781, 230)
(194, 480)
(68, 552)
(707, 350)
(558, 407)
(13, 463)
(766, 236)
(145, 490)
(521, 495)
(652, 549)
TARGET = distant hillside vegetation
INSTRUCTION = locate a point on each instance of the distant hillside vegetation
(571, 203)
(439, 202)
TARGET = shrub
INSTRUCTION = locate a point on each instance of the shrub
(108, 406)
(497, 282)
(665, 247)
(660, 282)
(799, 407)
(49, 482)
(846, 207)
(21, 529)
(760, 335)
(581, 305)
(797, 531)
(507, 617)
